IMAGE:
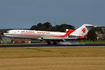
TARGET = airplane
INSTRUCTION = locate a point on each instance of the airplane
(51, 37)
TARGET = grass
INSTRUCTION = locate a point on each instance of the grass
(20, 43)
(52, 52)
(64, 58)
(93, 42)
(54, 63)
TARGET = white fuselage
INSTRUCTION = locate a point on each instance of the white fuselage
(33, 34)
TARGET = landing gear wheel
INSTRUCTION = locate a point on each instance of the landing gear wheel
(49, 43)
(54, 43)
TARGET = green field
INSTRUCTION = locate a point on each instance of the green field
(62, 58)
(93, 42)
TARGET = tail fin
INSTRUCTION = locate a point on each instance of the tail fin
(83, 30)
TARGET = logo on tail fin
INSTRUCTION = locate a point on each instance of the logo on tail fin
(84, 30)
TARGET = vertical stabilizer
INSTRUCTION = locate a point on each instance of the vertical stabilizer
(83, 30)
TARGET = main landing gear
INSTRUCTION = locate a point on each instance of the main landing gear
(49, 43)
(54, 43)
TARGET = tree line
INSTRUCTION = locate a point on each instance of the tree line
(48, 27)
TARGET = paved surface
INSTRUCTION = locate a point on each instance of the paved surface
(45, 45)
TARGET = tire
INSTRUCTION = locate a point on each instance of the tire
(49, 43)
(54, 43)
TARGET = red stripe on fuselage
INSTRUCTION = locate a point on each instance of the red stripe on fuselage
(81, 37)
(69, 32)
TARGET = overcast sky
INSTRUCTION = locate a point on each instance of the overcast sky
(25, 13)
